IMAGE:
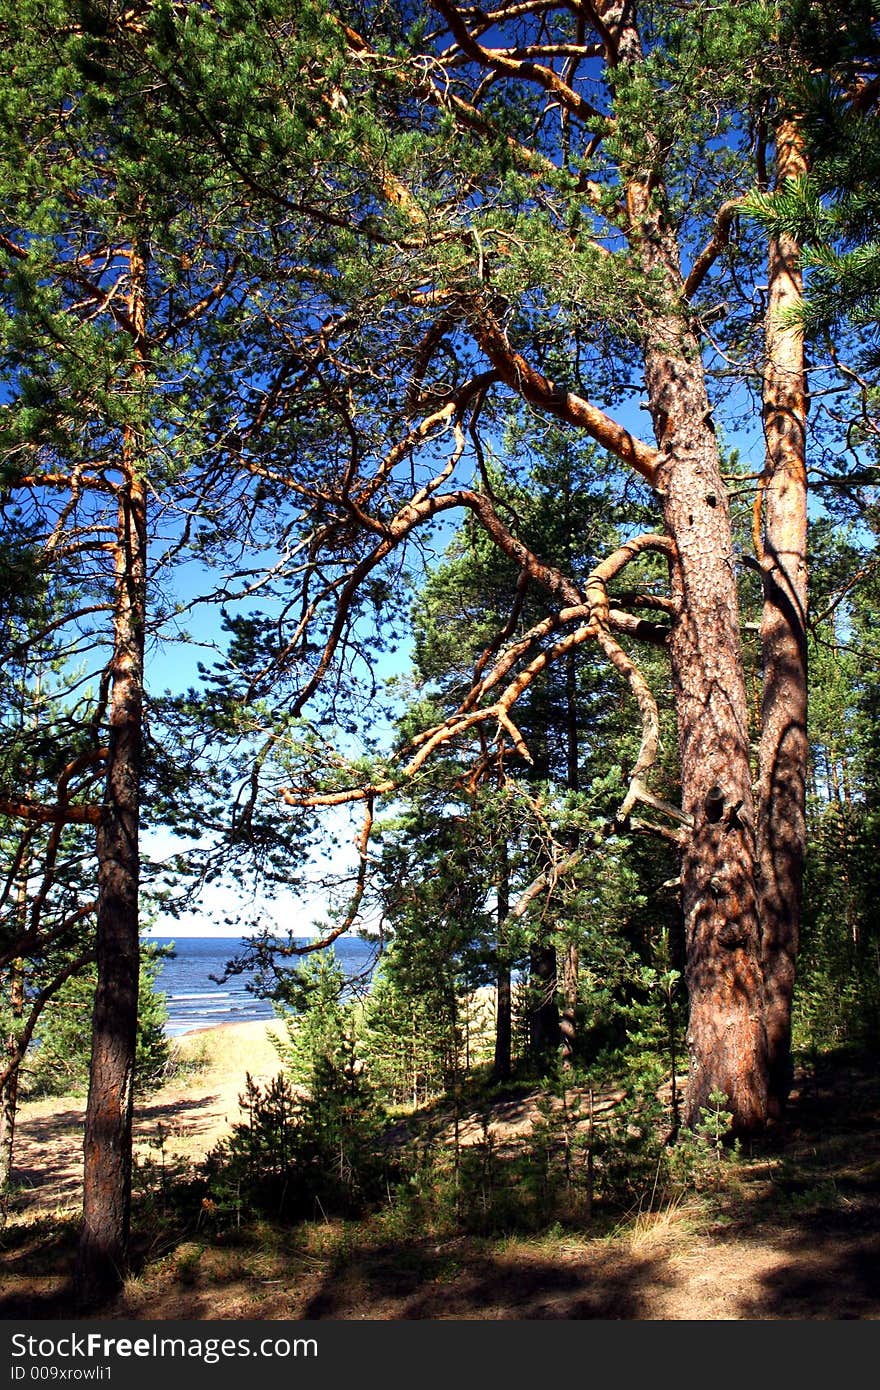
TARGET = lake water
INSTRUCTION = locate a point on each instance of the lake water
(195, 1000)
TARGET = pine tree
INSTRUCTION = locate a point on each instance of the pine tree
(549, 223)
(128, 257)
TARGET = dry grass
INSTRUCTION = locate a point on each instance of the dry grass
(232, 1049)
(664, 1225)
(792, 1231)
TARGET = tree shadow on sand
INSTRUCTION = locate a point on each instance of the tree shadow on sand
(48, 1171)
(821, 1209)
(420, 1281)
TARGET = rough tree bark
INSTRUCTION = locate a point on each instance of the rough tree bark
(726, 1033)
(727, 1043)
(783, 554)
(9, 1089)
(107, 1137)
(568, 1012)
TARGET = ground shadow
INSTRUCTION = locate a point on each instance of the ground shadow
(793, 1233)
(49, 1149)
(415, 1281)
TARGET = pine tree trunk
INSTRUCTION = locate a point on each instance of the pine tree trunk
(504, 995)
(568, 1014)
(570, 958)
(783, 744)
(107, 1137)
(543, 1009)
(9, 1094)
(727, 1042)
(8, 1112)
(726, 1036)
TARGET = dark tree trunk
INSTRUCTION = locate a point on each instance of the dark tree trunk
(107, 1137)
(543, 1008)
(568, 1014)
(570, 959)
(9, 1093)
(503, 994)
(13, 1048)
(783, 744)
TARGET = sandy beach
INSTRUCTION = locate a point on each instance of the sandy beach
(187, 1116)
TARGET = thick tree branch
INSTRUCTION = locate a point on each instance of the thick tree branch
(718, 241)
(539, 391)
(39, 814)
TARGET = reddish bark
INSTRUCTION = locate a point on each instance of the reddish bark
(9, 1088)
(726, 1035)
(727, 1043)
(107, 1137)
(783, 741)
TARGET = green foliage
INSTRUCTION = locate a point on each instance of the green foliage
(832, 210)
(837, 1001)
(317, 1019)
(299, 1154)
(323, 233)
(697, 1160)
(715, 1122)
(434, 888)
(837, 997)
(405, 1038)
(251, 1171)
(310, 1142)
(568, 1168)
(59, 1059)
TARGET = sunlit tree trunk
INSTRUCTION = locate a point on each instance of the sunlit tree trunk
(726, 1035)
(107, 1138)
(726, 1032)
(727, 1044)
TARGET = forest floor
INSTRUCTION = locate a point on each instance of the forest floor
(790, 1232)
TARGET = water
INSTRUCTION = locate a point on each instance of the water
(196, 1001)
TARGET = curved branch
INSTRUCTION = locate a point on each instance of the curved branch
(501, 62)
(348, 921)
(540, 391)
(718, 241)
